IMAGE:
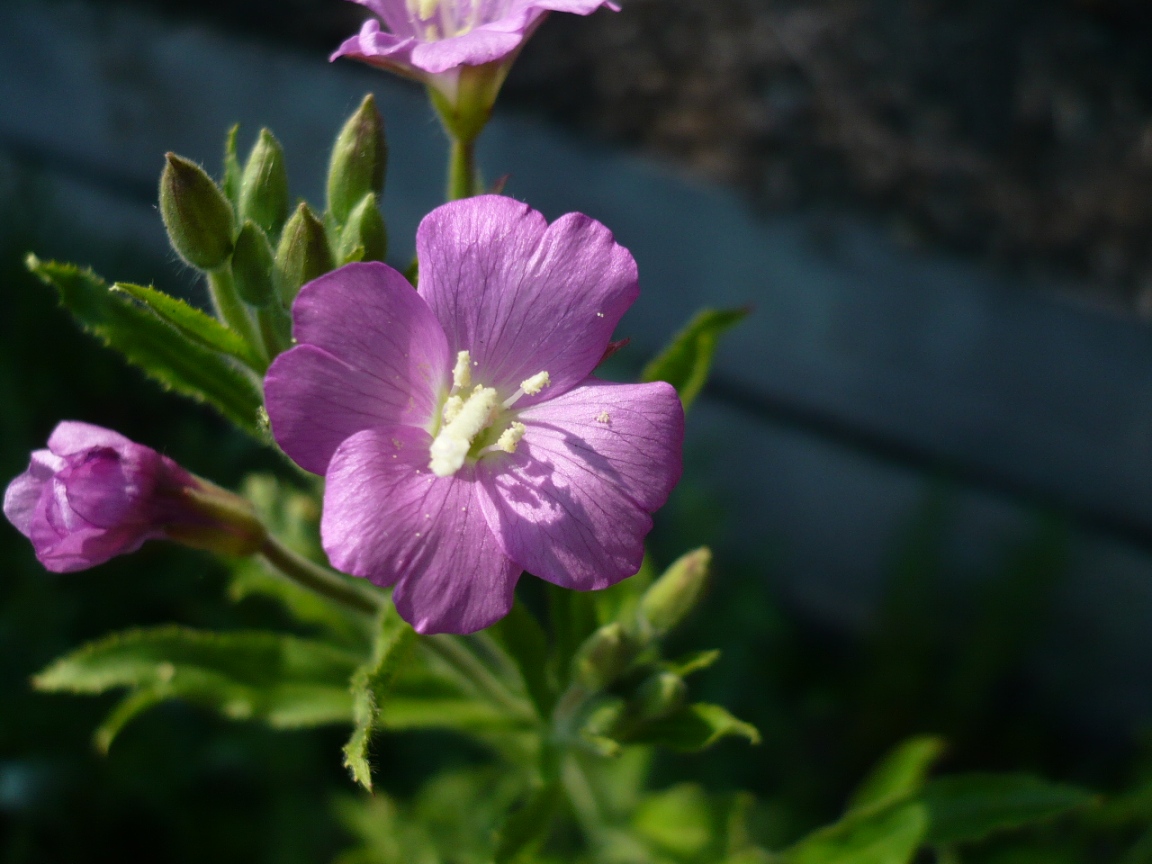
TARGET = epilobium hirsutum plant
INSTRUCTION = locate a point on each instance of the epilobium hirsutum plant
(463, 439)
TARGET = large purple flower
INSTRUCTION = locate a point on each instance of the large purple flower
(462, 435)
(439, 41)
(93, 495)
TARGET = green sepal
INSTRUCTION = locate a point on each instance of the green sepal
(264, 185)
(526, 828)
(191, 322)
(369, 688)
(359, 161)
(302, 254)
(364, 236)
(154, 346)
(198, 217)
(968, 807)
(687, 360)
(899, 774)
(285, 681)
(671, 597)
(253, 266)
(693, 728)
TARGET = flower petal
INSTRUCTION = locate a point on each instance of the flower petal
(72, 436)
(371, 353)
(482, 45)
(520, 295)
(632, 435)
(389, 519)
(22, 496)
(108, 488)
(559, 517)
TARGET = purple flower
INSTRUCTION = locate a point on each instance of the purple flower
(439, 41)
(93, 495)
(462, 435)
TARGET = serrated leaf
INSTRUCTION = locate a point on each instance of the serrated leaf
(154, 346)
(369, 688)
(283, 680)
(890, 835)
(687, 360)
(693, 728)
(969, 807)
(524, 639)
(901, 773)
(193, 323)
(526, 828)
(694, 662)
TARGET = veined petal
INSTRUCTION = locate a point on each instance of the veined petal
(394, 13)
(108, 488)
(391, 520)
(72, 436)
(476, 47)
(630, 435)
(521, 295)
(371, 353)
(557, 516)
(22, 497)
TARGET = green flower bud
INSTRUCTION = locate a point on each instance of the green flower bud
(603, 656)
(196, 213)
(658, 696)
(303, 253)
(364, 236)
(252, 266)
(359, 159)
(674, 594)
(264, 185)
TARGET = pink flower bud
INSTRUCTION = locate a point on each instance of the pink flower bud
(93, 495)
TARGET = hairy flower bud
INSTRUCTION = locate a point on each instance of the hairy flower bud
(303, 253)
(196, 213)
(658, 696)
(252, 266)
(264, 185)
(603, 657)
(359, 161)
(365, 237)
(93, 495)
(676, 593)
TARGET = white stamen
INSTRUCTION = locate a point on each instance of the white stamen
(529, 387)
(451, 445)
(510, 437)
(452, 408)
(462, 372)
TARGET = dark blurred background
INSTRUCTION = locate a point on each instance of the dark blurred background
(1012, 137)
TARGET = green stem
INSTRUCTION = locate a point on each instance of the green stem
(451, 650)
(231, 310)
(462, 169)
(275, 328)
(319, 579)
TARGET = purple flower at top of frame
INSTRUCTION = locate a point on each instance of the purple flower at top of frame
(463, 437)
(93, 495)
(435, 40)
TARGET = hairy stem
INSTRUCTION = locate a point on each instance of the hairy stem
(231, 310)
(453, 651)
(319, 579)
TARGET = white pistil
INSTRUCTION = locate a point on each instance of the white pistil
(529, 387)
(450, 446)
(462, 372)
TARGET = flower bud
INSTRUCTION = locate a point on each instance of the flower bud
(252, 266)
(658, 696)
(196, 213)
(359, 160)
(264, 185)
(603, 657)
(364, 237)
(674, 594)
(93, 495)
(303, 253)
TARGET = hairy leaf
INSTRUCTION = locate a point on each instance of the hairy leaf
(687, 360)
(890, 835)
(693, 728)
(901, 773)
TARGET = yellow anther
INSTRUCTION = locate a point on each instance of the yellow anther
(510, 438)
(536, 383)
(462, 372)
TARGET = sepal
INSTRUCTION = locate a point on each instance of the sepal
(196, 214)
(358, 163)
(264, 185)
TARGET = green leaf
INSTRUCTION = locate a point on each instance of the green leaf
(191, 322)
(693, 728)
(901, 773)
(283, 680)
(370, 686)
(232, 172)
(159, 349)
(969, 807)
(524, 639)
(676, 820)
(685, 363)
(694, 662)
(526, 828)
(890, 835)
